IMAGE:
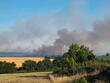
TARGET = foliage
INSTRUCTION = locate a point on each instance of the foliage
(105, 73)
(81, 80)
(29, 66)
(58, 61)
(101, 77)
(45, 65)
(72, 60)
(80, 53)
(6, 67)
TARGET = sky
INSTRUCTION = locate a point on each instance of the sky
(11, 10)
(27, 25)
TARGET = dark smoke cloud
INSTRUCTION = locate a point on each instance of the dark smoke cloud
(101, 32)
(61, 44)
(98, 39)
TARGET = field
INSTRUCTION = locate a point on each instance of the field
(70, 79)
(19, 60)
(35, 77)
(105, 58)
(39, 77)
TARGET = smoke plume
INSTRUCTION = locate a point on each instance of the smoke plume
(98, 39)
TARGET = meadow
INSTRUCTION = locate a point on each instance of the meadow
(35, 77)
(105, 58)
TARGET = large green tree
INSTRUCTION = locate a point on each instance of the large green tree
(75, 55)
(79, 53)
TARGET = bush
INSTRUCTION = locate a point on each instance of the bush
(105, 74)
(81, 80)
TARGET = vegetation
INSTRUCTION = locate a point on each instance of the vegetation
(29, 66)
(6, 67)
(76, 58)
(45, 65)
(103, 58)
(81, 80)
(34, 77)
(79, 60)
(102, 77)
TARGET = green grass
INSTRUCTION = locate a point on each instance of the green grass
(104, 58)
(24, 74)
(34, 77)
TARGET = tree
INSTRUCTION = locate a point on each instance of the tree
(73, 49)
(58, 61)
(29, 66)
(6, 67)
(84, 54)
(75, 55)
(45, 65)
(107, 54)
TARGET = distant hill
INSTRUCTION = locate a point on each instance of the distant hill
(104, 58)
(14, 54)
(21, 54)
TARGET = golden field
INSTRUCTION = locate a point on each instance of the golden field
(19, 60)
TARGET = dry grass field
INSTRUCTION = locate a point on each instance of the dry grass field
(19, 60)
(69, 79)
(66, 79)
(39, 77)
(35, 77)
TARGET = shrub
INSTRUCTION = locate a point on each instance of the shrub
(81, 80)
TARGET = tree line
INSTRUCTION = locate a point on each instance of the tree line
(78, 59)
(27, 66)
